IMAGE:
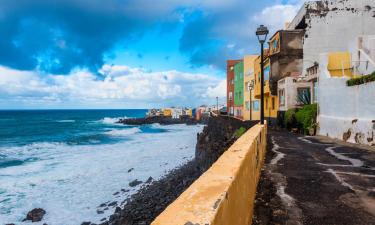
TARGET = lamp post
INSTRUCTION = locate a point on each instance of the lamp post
(261, 33)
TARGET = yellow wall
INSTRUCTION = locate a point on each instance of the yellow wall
(167, 112)
(225, 193)
(249, 62)
(337, 61)
(269, 111)
(189, 112)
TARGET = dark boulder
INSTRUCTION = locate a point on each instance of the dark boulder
(135, 183)
(35, 215)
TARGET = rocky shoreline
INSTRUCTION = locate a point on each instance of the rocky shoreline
(144, 206)
(159, 119)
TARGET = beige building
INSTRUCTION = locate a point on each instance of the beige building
(249, 112)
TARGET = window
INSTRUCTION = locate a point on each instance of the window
(266, 73)
(266, 103)
(281, 97)
(275, 44)
(303, 96)
(230, 95)
(273, 103)
(256, 105)
(247, 105)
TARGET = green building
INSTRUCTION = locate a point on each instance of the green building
(238, 89)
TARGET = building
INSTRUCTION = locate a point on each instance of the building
(270, 100)
(346, 111)
(230, 85)
(249, 112)
(330, 25)
(238, 89)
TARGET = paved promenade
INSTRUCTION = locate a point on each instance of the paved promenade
(314, 180)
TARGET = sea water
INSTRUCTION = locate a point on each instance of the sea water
(68, 162)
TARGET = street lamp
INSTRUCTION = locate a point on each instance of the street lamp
(261, 33)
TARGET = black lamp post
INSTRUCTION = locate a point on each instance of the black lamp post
(261, 33)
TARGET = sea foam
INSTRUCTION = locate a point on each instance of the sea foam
(71, 181)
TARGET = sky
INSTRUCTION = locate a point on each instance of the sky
(65, 54)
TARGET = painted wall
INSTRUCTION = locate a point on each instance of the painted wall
(230, 85)
(238, 89)
(224, 195)
(248, 108)
(346, 113)
(324, 20)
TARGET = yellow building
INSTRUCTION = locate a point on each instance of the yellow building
(271, 104)
(167, 112)
(249, 112)
(189, 112)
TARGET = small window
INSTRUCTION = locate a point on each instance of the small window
(256, 105)
(281, 97)
(266, 103)
(273, 103)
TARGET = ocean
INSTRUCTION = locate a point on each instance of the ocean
(68, 162)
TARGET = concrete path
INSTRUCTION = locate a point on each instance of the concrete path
(309, 180)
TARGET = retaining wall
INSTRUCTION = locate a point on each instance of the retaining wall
(225, 193)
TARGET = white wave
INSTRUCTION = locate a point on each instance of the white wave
(111, 120)
(71, 181)
(124, 132)
(66, 121)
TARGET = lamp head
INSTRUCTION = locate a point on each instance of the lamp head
(262, 33)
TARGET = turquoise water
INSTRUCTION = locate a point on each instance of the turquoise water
(68, 162)
(73, 127)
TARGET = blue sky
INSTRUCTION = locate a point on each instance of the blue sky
(126, 53)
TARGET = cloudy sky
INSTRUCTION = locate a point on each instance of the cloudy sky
(126, 53)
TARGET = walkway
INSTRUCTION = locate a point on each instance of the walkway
(310, 180)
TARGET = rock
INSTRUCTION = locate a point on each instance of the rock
(85, 223)
(131, 169)
(135, 183)
(103, 205)
(103, 219)
(35, 215)
(99, 211)
(116, 193)
(112, 203)
(124, 190)
(149, 180)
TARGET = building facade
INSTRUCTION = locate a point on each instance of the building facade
(249, 112)
(238, 89)
(270, 100)
(230, 86)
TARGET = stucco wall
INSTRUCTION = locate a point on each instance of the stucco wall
(249, 61)
(346, 113)
(327, 27)
(223, 195)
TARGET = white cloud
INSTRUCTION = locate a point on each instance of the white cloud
(220, 90)
(119, 86)
(275, 17)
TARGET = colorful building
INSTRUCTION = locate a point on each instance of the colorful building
(238, 89)
(230, 85)
(270, 101)
(249, 112)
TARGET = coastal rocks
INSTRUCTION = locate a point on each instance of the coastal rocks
(149, 180)
(216, 138)
(35, 215)
(159, 119)
(135, 183)
(131, 169)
